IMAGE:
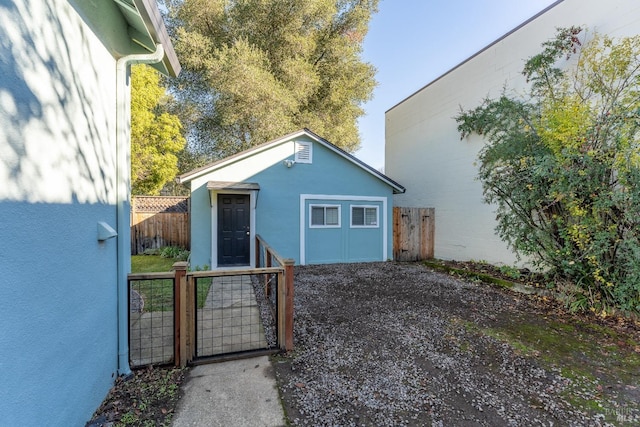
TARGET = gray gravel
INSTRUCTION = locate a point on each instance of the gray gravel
(388, 344)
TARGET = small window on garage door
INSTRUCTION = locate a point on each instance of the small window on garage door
(324, 216)
(364, 217)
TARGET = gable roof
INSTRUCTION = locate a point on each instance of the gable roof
(187, 177)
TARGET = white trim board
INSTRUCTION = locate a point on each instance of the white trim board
(213, 196)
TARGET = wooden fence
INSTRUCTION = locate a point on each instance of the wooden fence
(158, 221)
(413, 233)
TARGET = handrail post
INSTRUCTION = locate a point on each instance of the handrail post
(284, 294)
(267, 264)
(180, 313)
(257, 254)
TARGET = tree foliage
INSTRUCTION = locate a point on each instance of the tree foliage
(563, 166)
(254, 70)
(156, 135)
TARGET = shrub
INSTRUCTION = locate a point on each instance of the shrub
(174, 252)
(563, 165)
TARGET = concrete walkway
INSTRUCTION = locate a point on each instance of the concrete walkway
(234, 393)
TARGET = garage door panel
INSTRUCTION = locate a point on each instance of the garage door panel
(325, 245)
(357, 238)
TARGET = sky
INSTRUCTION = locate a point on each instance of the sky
(412, 42)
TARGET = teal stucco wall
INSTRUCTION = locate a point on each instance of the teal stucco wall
(58, 310)
(58, 344)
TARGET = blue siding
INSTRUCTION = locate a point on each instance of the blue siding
(365, 243)
(58, 344)
(278, 209)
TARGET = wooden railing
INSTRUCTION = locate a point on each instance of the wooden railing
(265, 256)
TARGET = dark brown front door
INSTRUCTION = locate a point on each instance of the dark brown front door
(233, 229)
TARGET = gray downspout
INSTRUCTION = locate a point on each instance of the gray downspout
(123, 187)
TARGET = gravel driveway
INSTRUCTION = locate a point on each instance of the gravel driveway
(389, 344)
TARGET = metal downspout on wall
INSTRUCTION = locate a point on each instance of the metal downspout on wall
(123, 186)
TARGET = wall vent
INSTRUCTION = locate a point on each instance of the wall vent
(304, 152)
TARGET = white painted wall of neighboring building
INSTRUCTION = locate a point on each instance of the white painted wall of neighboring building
(423, 149)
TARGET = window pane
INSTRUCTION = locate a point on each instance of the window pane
(357, 216)
(331, 216)
(371, 216)
(317, 216)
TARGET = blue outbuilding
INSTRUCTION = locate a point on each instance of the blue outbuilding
(309, 199)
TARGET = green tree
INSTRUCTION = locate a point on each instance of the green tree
(156, 135)
(563, 165)
(254, 70)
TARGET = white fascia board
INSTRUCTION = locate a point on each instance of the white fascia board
(266, 146)
(196, 173)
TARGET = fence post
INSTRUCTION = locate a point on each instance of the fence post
(281, 309)
(288, 321)
(180, 313)
(257, 254)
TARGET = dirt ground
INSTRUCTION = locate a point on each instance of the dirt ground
(148, 398)
(390, 344)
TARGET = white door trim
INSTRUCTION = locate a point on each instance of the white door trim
(214, 224)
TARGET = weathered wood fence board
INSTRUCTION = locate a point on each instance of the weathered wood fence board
(413, 233)
(158, 221)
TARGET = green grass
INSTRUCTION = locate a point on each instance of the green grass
(158, 294)
(587, 354)
(202, 289)
(471, 275)
(150, 263)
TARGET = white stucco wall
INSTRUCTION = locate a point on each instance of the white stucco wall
(423, 149)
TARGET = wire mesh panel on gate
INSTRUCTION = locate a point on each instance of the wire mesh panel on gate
(151, 322)
(230, 317)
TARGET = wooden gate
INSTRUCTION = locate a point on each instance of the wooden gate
(413, 233)
(185, 316)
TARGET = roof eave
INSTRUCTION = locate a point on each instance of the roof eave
(203, 170)
(146, 30)
(154, 23)
(196, 173)
(397, 188)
